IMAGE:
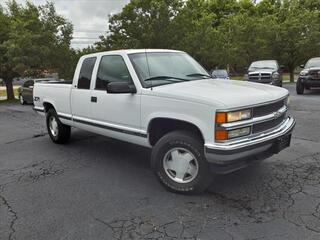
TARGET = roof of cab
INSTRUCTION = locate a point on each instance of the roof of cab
(130, 51)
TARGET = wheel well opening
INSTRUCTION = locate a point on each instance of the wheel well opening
(161, 126)
(47, 106)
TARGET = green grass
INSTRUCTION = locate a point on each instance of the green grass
(3, 93)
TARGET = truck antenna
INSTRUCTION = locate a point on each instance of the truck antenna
(146, 54)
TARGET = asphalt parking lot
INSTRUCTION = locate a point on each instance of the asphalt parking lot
(98, 188)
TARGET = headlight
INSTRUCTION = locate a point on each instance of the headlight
(275, 76)
(225, 117)
(239, 132)
(222, 135)
(304, 73)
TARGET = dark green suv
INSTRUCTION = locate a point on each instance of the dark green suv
(310, 75)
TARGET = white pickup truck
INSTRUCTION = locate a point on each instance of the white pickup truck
(164, 100)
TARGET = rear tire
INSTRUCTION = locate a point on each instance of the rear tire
(21, 99)
(299, 87)
(179, 163)
(58, 132)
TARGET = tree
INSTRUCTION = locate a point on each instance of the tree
(4, 36)
(142, 24)
(38, 39)
(298, 34)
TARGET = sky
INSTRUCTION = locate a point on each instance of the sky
(89, 17)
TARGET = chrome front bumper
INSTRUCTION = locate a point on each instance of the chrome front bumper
(239, 153)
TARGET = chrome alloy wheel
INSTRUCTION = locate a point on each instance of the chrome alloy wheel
(21, 99)
(180, 165)
(53, 126)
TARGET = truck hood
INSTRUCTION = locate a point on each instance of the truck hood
(221, 94)
(312, 69)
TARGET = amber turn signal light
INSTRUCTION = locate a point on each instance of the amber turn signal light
(221, 135)
(221, 117)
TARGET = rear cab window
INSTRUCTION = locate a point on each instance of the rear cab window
(86, 71)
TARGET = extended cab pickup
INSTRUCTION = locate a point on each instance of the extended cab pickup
(165, 100)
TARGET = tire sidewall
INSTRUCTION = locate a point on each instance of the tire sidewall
(163, 147)
(22, 101)
(52, 113)
(299, 87)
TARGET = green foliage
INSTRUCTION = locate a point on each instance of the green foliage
(224, 33)
(33, 40)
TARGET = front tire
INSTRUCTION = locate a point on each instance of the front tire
(58, 132)
(179, 163)
(299, 87)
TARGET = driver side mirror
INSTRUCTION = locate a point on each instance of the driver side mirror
(302, 65)
(281, 67)
(121, 87)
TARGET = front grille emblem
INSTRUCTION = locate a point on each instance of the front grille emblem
(277, 114)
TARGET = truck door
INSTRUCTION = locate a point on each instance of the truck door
(117, 114)
(81, 92)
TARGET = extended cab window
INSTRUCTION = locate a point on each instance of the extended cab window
(112, 69)
(86, 73)
(28, 84)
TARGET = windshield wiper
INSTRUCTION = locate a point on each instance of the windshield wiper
(165, 78)
(198, 75)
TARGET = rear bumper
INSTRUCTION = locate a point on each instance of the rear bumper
(228, 157)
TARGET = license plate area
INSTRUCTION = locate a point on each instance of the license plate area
(282, 143)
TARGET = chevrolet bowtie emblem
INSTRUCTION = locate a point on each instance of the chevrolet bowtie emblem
(277, 114)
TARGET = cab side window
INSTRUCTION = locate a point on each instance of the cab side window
(28, 84)
(86, 73)
(112, 69)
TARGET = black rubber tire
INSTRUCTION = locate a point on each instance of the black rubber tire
(190, 142)
(64, 131)
(22, 102)
(299, 87)
(280, 83)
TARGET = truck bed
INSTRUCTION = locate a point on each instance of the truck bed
(56, 93)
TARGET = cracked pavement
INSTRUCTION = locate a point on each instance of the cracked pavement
(98, 188)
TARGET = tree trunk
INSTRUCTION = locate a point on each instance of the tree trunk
(9, 86)
(292, 75)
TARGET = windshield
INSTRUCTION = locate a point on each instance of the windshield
(166, 68)
(263, 65)
(220, 73)
(315, 62)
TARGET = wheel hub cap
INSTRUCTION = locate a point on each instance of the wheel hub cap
(180, 165)
(53, 125)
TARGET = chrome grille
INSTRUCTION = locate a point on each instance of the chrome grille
(315, 74)
(260, 77)
(261, 127)
(267, 109)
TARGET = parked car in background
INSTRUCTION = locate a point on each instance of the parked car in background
(165, 100)
(265, 71)
(26, 90)
(309, 77)
(220, 73)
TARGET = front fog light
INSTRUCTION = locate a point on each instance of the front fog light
(239, 132)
